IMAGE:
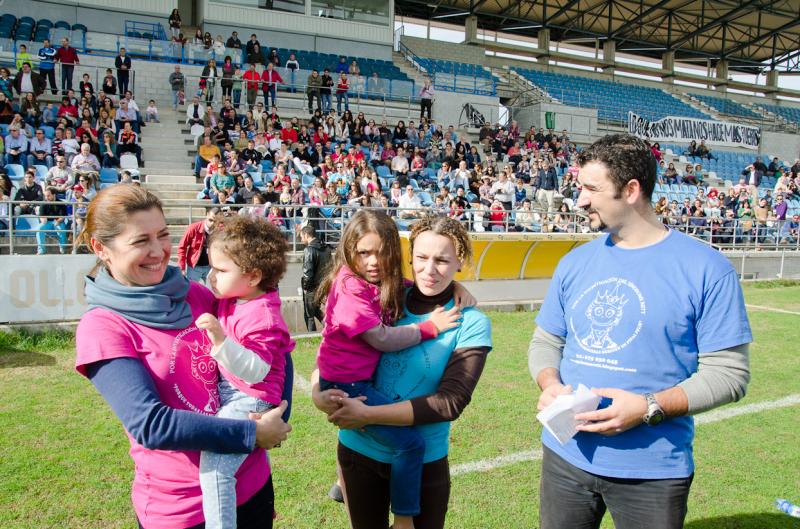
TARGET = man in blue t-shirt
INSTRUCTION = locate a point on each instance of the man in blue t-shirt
(47, 64)
(654, 321)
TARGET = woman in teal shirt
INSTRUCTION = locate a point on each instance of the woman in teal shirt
(431, 384)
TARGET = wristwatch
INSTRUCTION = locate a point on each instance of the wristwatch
(654, 413)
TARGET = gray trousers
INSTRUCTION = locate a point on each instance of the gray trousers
(574, 499)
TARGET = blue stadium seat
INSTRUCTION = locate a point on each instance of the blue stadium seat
(26, 226)
(108, 176)
(79, 27)
(62, 25)
(41, 172)
(15, 171)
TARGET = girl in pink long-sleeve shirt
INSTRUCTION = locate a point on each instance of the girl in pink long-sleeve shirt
(365, 294)
(251, 343)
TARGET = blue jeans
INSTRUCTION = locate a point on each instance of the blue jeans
(66, 78)
(326, 103)
(175, 98)
(33, 160)
(197, 273)
(51, 228)
(406, 442)
(19, 159)
(271, 91)
(218, 471)
(339, 98)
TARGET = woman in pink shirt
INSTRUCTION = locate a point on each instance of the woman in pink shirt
(140, 348)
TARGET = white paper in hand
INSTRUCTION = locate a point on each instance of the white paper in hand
(559, 416)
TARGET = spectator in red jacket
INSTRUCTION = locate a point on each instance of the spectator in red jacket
(68, 110)
(289, 135)
(68, 57)
(342, 87)
(251, 81)
(271, 78)
(193, 248)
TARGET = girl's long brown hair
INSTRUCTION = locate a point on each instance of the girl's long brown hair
(391, 287)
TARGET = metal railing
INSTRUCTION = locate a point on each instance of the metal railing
(401, 93)
(449, 81)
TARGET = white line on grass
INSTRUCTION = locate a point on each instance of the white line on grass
(772, 309)
(722, 414)
(302, 384)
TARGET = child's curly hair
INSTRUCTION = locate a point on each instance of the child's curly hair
(254, 245)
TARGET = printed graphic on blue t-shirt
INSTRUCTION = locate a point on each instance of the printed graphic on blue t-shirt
(417, 371)
(637, 319)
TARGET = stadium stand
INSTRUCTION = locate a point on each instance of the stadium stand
(790, 114)
(726, 106)
(612, 99)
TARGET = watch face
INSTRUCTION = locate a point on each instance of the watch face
(655, 418)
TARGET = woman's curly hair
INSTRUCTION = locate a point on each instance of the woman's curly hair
(448, 227)
(254, 245)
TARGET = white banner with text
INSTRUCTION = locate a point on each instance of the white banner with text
(683, 130)
(39, 288)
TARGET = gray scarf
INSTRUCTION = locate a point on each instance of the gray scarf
(161, 306)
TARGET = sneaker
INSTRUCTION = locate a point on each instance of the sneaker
(336, 493)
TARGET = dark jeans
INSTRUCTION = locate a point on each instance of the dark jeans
(66, 77)
(425, 104)
(572, 498)
(406, 443)
(51, 75)
(311, 310)
(255, 513)
(367, 490)
(270, 91)
(123, 81)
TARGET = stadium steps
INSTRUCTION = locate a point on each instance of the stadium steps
(409, 69)
(522, 92)
(164, 147)
(698, 105)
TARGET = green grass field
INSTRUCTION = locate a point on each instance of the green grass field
(64, 461)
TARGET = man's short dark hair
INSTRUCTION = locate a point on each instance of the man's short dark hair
(627, 158)
(309, 231)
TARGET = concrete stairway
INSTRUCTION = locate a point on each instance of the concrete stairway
(409, 69)
(163, 145)
(696, 104)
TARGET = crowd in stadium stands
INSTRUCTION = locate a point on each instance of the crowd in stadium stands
(288, 169)
(746, 212)
(63, 150)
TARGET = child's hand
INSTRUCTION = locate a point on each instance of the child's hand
(445, 320)
(211, 324)
(462, 296)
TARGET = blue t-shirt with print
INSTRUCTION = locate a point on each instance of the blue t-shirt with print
(637, 319)
(417, 371)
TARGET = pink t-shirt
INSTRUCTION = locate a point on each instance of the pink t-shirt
(258, 325)
(166, 488)
(353, 307)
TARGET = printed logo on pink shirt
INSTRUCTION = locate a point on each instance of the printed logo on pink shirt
(203, 367)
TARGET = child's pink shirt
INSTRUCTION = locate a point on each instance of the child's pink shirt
(258, 325)
(353, 307)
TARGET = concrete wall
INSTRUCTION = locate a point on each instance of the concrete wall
(784, 146)
(445, 50)
(97, 16)
(239, 16)
(580, 122)
(283, 39)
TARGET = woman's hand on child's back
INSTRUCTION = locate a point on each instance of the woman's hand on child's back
(212, 326)
(444, 320)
